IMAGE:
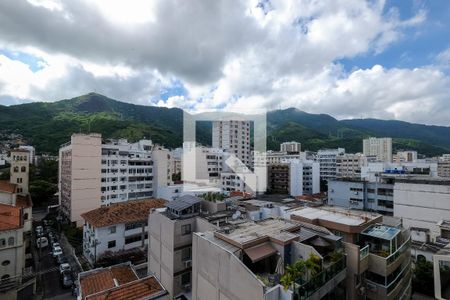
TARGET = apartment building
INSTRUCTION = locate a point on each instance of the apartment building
(233, 137)
(380, 148)
(405, 156)
(32, 151)
(422, 203)
(207, 163)
(170, 251)
(246, 260)
(20, 169)
(120, 227)
(327, 161)
(444, 168)
(378, 255)
(16, 280)
(234, 182)
(291, 147)
(348, 165)
(294, 178)
(92, 173)
(119, 282)
(374, 170)
(359, 194)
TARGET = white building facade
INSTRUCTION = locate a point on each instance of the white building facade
(381, 148)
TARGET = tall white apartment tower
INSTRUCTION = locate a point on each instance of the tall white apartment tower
(233, 137)
(381, 148)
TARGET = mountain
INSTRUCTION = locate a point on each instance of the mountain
(48, 125)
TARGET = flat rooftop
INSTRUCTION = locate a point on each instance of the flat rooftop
(250, 231)
(381, 231)
(336, 215)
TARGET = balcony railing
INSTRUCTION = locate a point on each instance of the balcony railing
(363, 252)
(304, 290)
(393, 257)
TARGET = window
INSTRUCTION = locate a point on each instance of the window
(134, 238)
(19, 180)
(11, 241)
(111, 244)
(130, 226)
(186, 254)
(19, 190)
(112, 229)
(23, 169)
(186, 278)
(16, 169)
(25, 216)
(2, 242)
(186, 229)
(5, 263)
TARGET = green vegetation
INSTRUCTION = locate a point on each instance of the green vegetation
(423, 281)
(301, 269)
(43, 182)
(48, 125)
(213, 197)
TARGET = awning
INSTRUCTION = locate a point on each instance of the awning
(260, 252)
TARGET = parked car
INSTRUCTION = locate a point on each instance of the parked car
(53, 241)
(57, 251)
(61, 259)
(55, 244)
(64, 267)
(41, 242)
(67, 279)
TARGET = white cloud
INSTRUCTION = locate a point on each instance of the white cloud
(227, 54)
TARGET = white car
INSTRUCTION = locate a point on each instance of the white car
(64, 267)
(57, 251)
(56, 244)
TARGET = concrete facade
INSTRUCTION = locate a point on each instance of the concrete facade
(327, 161)
(233, 137)
(380, 148)
(422, 203)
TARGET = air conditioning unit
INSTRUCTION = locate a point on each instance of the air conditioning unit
(188, 263)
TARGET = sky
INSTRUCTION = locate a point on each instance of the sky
(350, 59)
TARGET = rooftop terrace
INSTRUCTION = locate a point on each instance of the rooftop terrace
(336, 215)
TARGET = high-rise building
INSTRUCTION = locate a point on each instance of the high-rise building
(380, 148)
(327, 161)
(291, 147)
(92, 174)
(20, 169)
(233, 137)
(349, 165)
(405, 156)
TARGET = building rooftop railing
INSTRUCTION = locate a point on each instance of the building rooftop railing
(305, 289)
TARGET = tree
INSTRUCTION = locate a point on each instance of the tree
(423, 281)
(41, 191)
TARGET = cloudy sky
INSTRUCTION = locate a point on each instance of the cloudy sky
(350, 58)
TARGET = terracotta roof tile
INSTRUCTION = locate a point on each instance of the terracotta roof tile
(96, 282)
(123, 274)
(24, 201)
(129, 211)
(8, 187)
(10, 217)
(146, 288)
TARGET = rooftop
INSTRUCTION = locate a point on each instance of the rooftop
(23, 201)
(125, 212)
(99, 280)
(146, 288)
(336, 215)
(183, 202)
(240, 235)
(423, 180)
(381, 231)
(10, 217)
(6, 186)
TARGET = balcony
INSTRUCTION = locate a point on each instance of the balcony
(386, 265)
(399, 287)
(322, 283)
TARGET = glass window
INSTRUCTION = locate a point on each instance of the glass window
(11, 241)
(186, 254)
(112, 229)
(5, 262)
(111, 244)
